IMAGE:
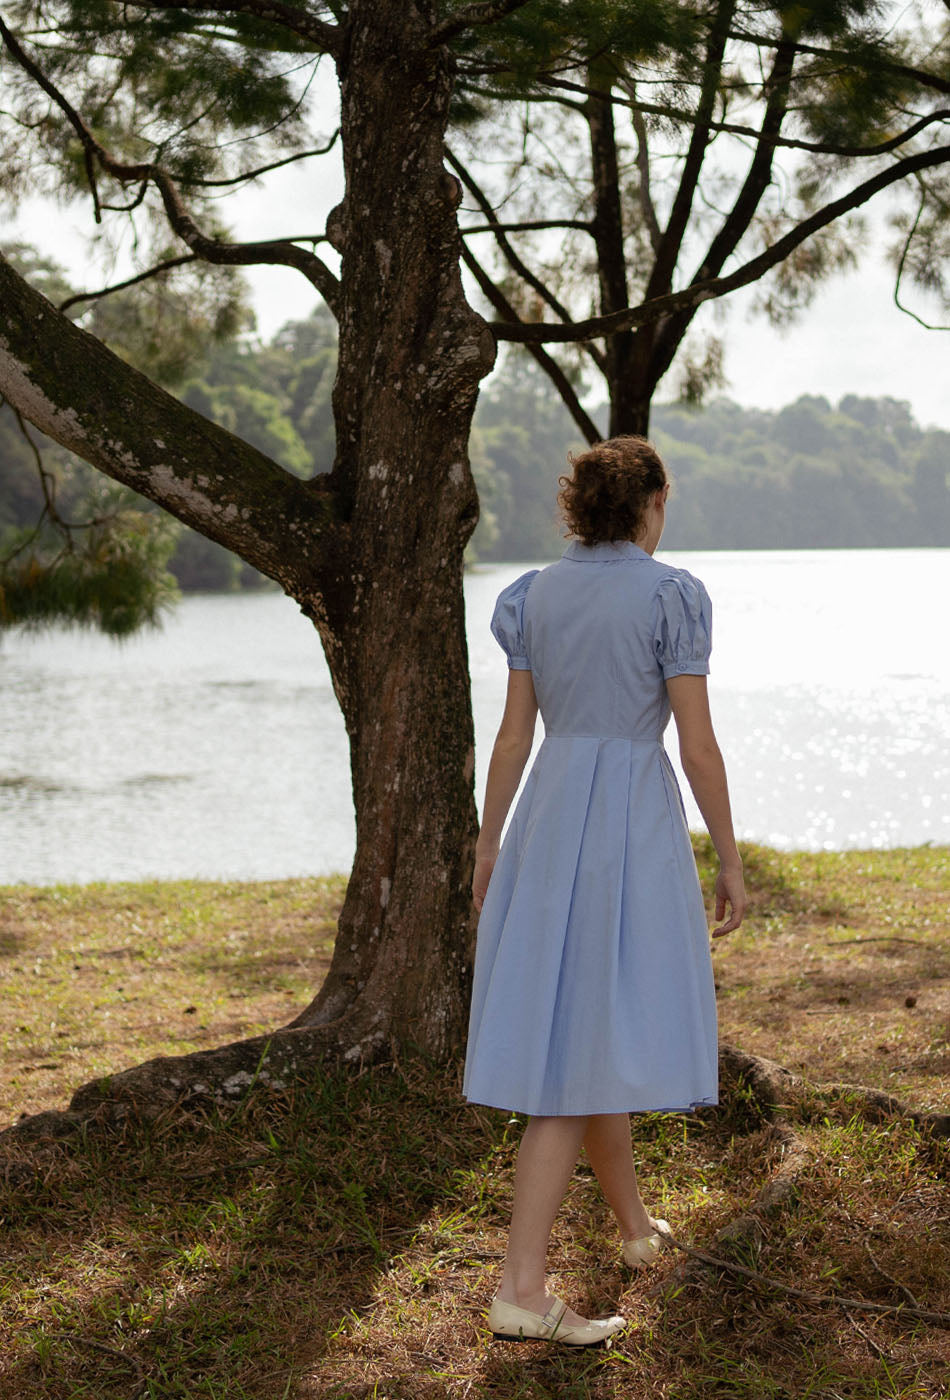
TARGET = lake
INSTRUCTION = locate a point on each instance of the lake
(215, 747)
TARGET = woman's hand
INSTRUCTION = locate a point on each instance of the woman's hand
(484, 865)
(730, 889)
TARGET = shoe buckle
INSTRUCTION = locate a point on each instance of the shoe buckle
(552, 1319)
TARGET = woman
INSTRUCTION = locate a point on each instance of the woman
(593, 990)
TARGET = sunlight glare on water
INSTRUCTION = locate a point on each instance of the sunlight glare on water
(830, 691)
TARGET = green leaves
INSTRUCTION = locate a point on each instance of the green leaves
(547, 34)
(114, 580)
(171, 86)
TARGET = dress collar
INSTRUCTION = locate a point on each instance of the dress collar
(605, 551)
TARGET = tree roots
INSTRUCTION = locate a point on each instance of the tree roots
(761, 1091)
(224, 1075)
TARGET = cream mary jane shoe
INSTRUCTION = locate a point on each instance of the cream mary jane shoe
(642, 1252)
(511, 1324)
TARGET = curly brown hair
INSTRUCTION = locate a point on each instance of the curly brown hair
(606, 497)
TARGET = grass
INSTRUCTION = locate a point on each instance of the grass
(94, 978)
(342, 1240)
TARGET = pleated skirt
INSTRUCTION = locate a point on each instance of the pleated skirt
(593, 985)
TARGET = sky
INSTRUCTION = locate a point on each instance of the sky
(852, 340)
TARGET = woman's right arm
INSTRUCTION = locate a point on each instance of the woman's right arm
(510, 754)
(706, 775)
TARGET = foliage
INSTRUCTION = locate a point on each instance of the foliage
(743, 478)
(167, 85)
(275, 396)
(76, 548)
(115, 580)
(166, 325)
(171, 87)
(808, 476)
(786, 130)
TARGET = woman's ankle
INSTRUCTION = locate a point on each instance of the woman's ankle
(523, 1293)
(638, 1226)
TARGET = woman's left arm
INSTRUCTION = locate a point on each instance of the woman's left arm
(509, 756)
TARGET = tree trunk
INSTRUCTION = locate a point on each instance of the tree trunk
(633, 384)
(412, 354)
(628, 354)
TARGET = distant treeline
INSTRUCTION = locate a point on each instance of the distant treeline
(810, 475)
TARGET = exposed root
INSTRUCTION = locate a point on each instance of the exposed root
(223, 1075)
(77, 1339)
(714, 1261)
(772, 1085)
(766, 1091)
(775, 1088)
(877, 1106)
(894, 1282)
(226, 1074)
(778, 1191)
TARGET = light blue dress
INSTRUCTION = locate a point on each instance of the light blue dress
(593, 986)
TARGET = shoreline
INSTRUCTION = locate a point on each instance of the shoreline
(699, 838)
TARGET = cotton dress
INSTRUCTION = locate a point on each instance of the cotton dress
(593, 986)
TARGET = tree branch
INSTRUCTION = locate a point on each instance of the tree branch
(608, 232)
(51, 511)
(927, 325)
(165, 266)
(671, 240)
(327, 37)
(898, 70)
(792, 143)
(234, 254)
(516, 263)
(85, 397)
(546, 362)
(737, 221)
(486, 13)
(542, 332)
(264, 169)
(644, 192)
(607, 224)
(529, 226)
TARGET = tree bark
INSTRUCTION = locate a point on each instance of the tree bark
(623, 351)
(412, 354)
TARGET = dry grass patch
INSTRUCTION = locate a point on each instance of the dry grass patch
(343, 1242)
(842, 971)
(94, 978)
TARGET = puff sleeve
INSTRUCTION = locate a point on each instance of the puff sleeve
(682, 633)
(507, 624)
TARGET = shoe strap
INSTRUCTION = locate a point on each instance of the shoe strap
(551, 1319)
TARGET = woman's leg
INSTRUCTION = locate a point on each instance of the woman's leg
(610, 1153)
(546, 1159)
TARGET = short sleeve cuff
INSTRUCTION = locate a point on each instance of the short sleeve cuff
(519, 663)
(686, 668)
